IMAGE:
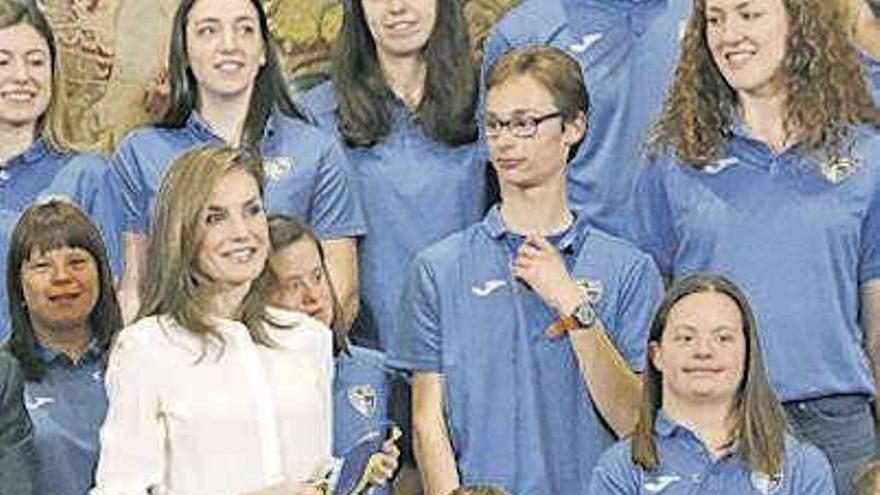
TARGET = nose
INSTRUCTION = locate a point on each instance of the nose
(20, 70)
(396, 6)
(228, 40)
(731, 30)
(704, 348)
(61, 274)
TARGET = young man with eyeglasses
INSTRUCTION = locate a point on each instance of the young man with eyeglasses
(525, 332)
(627, 50)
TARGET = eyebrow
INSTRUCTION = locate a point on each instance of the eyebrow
(32, 51)
(217, 20)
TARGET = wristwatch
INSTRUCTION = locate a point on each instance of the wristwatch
(582, 318)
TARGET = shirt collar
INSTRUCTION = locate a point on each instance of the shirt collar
(34, 153)
(200, 127)
(667, 428)
(48, 355)
(574, 235)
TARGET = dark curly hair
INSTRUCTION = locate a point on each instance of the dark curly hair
(828, 92)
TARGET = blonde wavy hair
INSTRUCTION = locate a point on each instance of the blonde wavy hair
(828, 93)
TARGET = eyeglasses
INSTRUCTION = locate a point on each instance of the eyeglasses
(521, 127)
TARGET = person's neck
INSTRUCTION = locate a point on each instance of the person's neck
(226, 116)
(14, 140)
(227, 303)
(868, 30)
(71, 341)
(712, 421)
(543, 209)
(764, 115)
(405, 77)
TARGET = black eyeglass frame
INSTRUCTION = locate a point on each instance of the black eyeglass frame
(533, 123)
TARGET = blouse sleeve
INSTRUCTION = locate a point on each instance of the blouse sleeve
(132, 437)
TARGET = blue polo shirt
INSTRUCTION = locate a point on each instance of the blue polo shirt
(518, 410)
(628, 50)
(687, 467)
(414, 191)
(872, 70)
(8, 219)
(361, 387)
(799, 242)
(305, 171)
(67, 408)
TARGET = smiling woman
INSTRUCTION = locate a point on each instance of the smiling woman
(64, 315)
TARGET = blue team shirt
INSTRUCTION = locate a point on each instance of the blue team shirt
(687, 467)
(628, 50)
(414, 191)
(518, 410)
(305, 171)
(41, 172)
(67, 408)
(799, 242)
(361, 387)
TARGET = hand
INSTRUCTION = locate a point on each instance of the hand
(288, 488)
(383, 464)
(540, 265)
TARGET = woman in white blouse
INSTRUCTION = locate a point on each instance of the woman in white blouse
(209, 393)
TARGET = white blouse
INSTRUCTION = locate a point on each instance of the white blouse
(242, 420)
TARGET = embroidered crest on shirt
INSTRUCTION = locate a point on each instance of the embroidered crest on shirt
(838, 170)
(766, 484)
(276, 166)
(34, 403)
(718, 166)
(363, 399)
(488, 287)
(586, 42)
(658, 483)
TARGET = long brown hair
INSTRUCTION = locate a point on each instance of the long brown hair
(177, 287)
(365, 101)
(14, 12)
(270, 91)
(44, 227)
(827, 89)
(759, 418)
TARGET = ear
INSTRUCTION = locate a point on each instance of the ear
(655, 354)
(575, 129)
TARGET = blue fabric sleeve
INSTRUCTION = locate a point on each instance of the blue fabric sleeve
(336, 208)
(126, 186)
(641, 290)
(869, 262)
(615, 473)
(16, 434)
(652, 227)
(810, 471)
(418, 346)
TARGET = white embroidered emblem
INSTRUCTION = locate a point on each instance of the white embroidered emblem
(276, 166)
(766, 484)
(488, 287)
(363, 399)
(720, 165)
(586, 42)
(34, 403)
(656, 484)
(838, 170)
(592, 288)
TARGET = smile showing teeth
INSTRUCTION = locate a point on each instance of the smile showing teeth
(738, 58)
(242, 255)
(229, 66)
(18, 95)
(63, 298)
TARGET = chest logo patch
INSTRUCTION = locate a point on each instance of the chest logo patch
(656, 484)
(34, 403)
(586, 42)
(838, 170)
(766, 484)
(277, 166)
(488, 287)
(363, 399)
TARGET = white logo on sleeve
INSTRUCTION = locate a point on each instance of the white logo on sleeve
(488, 287)
(656, 484)
(363, 399)
(586, 42)
(766, 484)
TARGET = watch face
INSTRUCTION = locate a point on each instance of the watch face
(585, 315)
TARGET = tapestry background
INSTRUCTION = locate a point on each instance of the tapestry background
(111, 52)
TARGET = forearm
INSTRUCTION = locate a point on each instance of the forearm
(870, 319)
(342, 268)
(431, 444)
(128, 289)
(614, 388)
(435, 458)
